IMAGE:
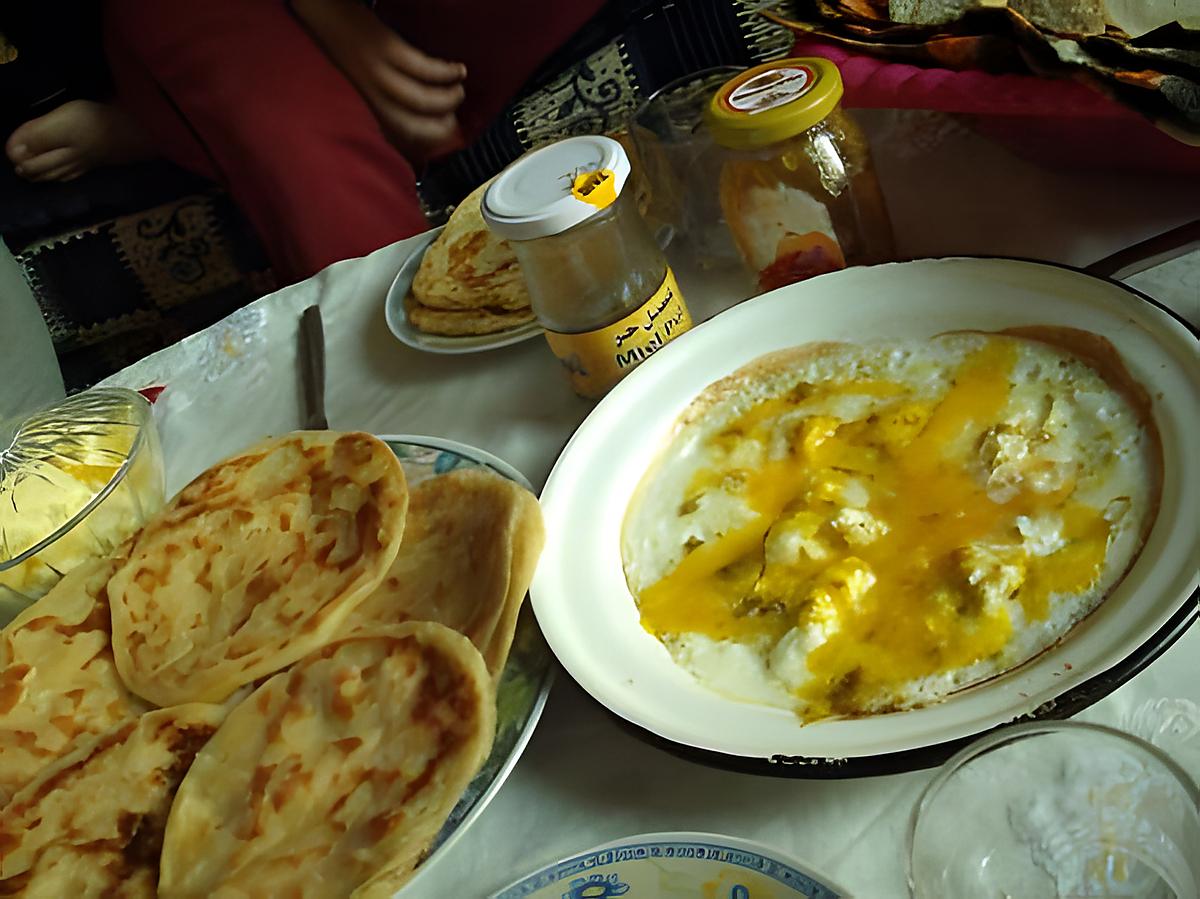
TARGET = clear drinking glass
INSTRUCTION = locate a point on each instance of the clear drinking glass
(683, 165)
(1058, 809)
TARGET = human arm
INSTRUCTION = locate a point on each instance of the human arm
(413, 95)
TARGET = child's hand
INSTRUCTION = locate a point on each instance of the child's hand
(413, 95)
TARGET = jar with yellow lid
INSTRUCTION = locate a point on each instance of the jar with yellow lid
(797, 188)
(76, 480)
(598, 283)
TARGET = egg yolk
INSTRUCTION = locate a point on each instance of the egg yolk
(919, 578)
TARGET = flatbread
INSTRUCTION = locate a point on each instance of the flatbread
(91, 823)
(469, 267)
(470, 547)
(58, 680)
(332, 778)
(464, 322)
(255, 564)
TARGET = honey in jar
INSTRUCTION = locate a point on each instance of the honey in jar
(797, 188)
(598, 283)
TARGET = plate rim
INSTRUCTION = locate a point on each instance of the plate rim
(490, 460)
(507, 470)
(729, 841)
(1063, 707)
(502, 775)
(1065, 704)
(398, 324)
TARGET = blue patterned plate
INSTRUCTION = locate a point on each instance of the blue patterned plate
(529, 671)
(675, 866)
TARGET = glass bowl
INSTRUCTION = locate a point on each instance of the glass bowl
(1055, 810)
(76, 480)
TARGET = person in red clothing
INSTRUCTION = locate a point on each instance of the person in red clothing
(317, 116)
(332, 124)
(75, 138)
(56, 114)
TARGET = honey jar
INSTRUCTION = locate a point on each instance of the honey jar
(797, 188)
(598, 283)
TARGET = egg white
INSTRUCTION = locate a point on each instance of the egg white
(1060, 414)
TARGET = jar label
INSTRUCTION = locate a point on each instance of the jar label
(771, 89)
(598, 359)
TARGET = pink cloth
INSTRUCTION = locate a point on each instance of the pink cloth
(876, 83)
(1054, 121)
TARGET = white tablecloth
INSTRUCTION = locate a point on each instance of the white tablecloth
(583, 780)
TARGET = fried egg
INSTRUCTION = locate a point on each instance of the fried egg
(847, 529)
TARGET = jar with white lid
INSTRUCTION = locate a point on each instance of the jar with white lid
(598, 283)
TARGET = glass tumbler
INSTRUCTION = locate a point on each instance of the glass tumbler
(1057, 809)
(683, 166)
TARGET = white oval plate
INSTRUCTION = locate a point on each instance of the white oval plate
(675, 866)
(589, 617)
(397, 320)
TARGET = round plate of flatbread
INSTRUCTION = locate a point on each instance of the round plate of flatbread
(480, 301)
(461, 290)
(371, 636)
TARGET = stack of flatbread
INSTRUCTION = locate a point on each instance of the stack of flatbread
(280, 686)
(469, 281)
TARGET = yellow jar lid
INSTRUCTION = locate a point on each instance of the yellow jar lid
(773, 102)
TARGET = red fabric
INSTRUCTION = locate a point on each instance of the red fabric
(501, 44)
(1055, 122)
(237, 91)
(878, 84)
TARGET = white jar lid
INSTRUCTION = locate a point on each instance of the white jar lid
(555, 188)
